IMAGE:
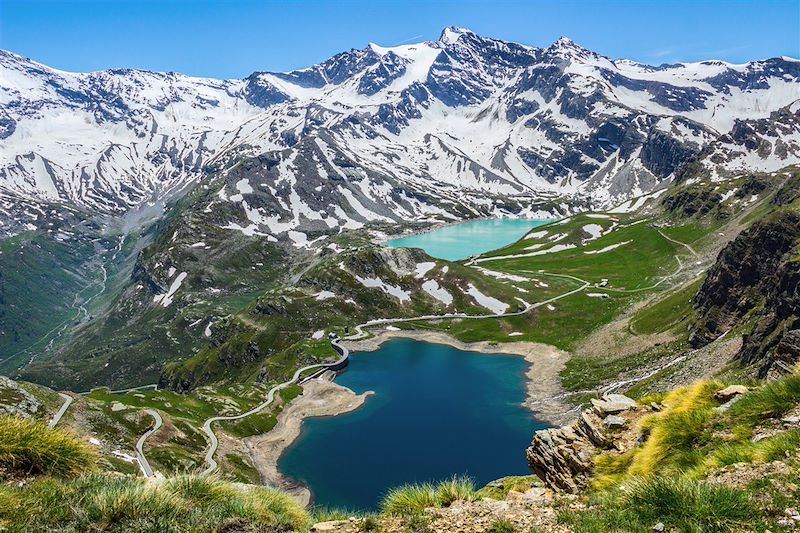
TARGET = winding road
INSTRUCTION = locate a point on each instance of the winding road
(360, 333)
(147, 470)
(153, 386)
(212, 438)
(57, 417)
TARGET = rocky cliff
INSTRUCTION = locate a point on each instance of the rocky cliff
(563, 457)
(757, 276)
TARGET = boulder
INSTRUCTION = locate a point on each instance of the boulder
(621, 398)
(614, 422)
(612, 404)
(17, 401)
(728, 393)
(727, 405)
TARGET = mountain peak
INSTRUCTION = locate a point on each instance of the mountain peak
(564, 41)
(564, 46)
(452, 34)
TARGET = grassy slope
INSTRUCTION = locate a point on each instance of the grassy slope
(688, 441)
(631, 269)
(42, 280)
(67, 494)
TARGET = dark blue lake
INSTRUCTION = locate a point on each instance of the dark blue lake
(437, 411)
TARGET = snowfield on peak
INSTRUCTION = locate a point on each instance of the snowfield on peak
(459, 127)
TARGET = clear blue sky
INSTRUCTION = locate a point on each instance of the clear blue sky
(232, 38)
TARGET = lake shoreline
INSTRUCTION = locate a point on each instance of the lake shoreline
(321, 397)
(542, 381)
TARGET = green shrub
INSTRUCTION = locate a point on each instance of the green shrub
(272, 507)
(770, 400)
(689, 505)
(677, 432)
(778, 447)
(115, 501)
(680, 503)
(28, 447)
(201, 490)
(457, 488)
(123, 503)
(499, 488)
(328, 514)
(409, 499)
(728, 454)
(415, 498)
(369, 523)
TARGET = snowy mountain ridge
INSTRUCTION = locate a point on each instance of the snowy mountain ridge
(463, 124)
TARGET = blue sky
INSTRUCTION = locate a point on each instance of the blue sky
(232, 38)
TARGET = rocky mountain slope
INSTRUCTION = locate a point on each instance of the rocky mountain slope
(755, 281)
(458, 127)
(170, 218)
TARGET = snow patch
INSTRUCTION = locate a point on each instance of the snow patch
(594, 231)
(607, 248)
(440, 293)
(392, 290)
(537, 234)
(423, 268)
(324, 295)
(493, 304)
(166, 299)
(500, 275)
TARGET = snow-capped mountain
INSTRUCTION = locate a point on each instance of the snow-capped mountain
(464, 124)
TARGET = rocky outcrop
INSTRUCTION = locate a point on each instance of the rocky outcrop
(755, 268)
(563, 457)
(662, 154)
(730, 392)
(757, 276)
(774, 342)
(697, 199)
(14, 400)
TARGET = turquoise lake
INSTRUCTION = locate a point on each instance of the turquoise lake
(460, 241)
(437, 412)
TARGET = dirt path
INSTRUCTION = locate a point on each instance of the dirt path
(670, 239)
